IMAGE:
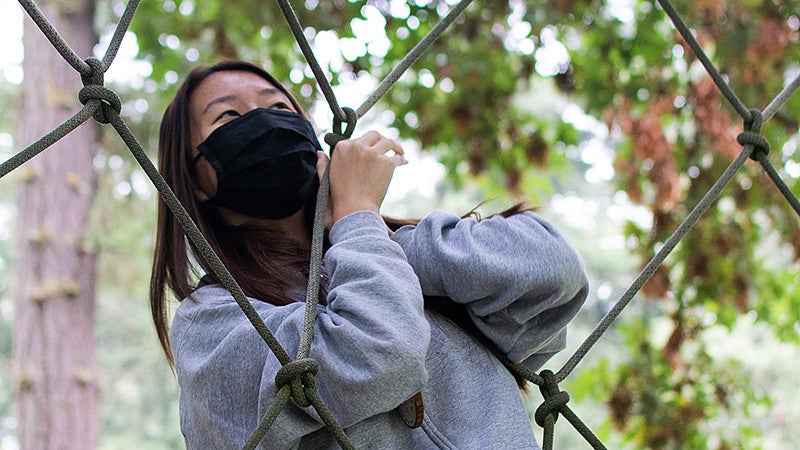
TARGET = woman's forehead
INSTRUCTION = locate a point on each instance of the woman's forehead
(229, 85)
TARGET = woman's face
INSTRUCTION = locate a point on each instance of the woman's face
(220, 98)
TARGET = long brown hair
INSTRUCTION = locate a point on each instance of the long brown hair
(265, 263)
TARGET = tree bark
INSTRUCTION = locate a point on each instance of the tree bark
(53, 341)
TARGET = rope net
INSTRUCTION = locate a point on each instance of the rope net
(296, 378)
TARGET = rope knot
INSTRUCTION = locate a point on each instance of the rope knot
(108, 101)
(299, 375)
(93, 89)
(751, 135)
(554, 399)
(351, 117)
(96, 72)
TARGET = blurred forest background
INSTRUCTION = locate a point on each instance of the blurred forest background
(594, 111)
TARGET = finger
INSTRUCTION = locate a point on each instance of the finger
(386, 146)
(397, 148)
(399, 160)
(370, 139)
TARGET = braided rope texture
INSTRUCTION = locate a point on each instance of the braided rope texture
(296, 379)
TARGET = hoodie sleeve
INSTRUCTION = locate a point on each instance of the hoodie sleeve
(520, 279)
(370, 343)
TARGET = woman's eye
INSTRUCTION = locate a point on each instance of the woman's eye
(281, 105)
(228, 113)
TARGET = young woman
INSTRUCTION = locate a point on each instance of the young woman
(403, 309)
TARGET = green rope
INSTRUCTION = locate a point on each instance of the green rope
(779, 183)
(701, 207)
(119, 33)
(55, 38)
(299, 374)
(281, 398)
(308, 53)
(698, 51)
(412, 57)
(760, 154)
(315, 266)
(555, 403)
(196, 237)
(581, 428)
(781, 98)
(50, 138)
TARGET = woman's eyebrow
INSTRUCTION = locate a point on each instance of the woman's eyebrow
(217, 100)
(270, 91)
(225, 98)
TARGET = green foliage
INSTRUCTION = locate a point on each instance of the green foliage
(778, 300)
(464, 115)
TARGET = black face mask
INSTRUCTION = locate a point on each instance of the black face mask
(265, 163)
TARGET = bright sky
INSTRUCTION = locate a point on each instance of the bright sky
(11, 37)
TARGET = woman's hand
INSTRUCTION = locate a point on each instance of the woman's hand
(361, 170)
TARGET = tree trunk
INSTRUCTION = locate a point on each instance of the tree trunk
(53, 342)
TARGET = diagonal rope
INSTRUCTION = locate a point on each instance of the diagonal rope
(701, 207)
(761, 154)
(281, 398)
(781, 98)
(305, 47)
(119, 33)
(194, 235)
(719, 80)
(55, 38)
(779, 183)
(104, 105)
(412, 57)
(49, 139)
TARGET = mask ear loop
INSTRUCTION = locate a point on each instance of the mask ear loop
(193, 177)
(196, 158)
(193, 168)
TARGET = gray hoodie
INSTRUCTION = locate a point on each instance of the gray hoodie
(376, 345)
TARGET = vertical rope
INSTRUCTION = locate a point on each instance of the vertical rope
(315, 266)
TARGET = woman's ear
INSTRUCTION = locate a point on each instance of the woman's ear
(204, 179)
(200, 194)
